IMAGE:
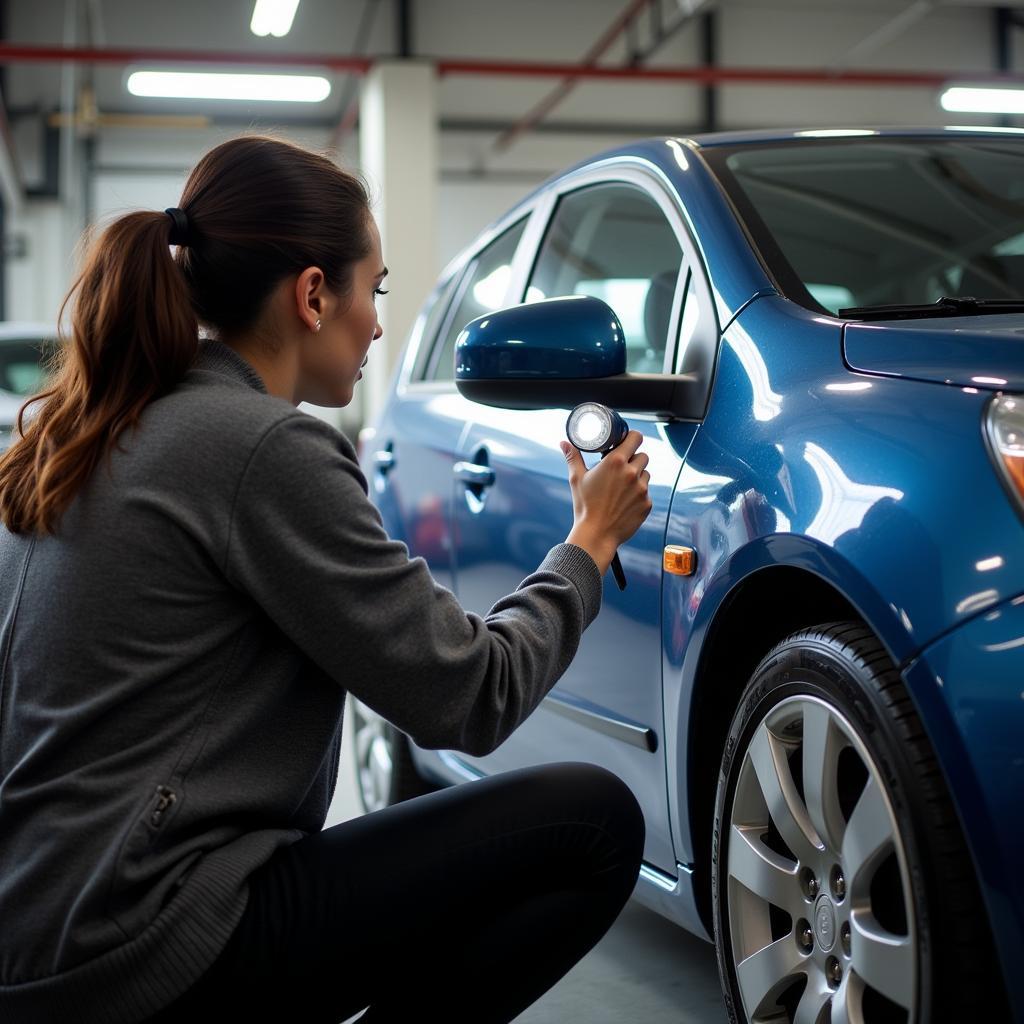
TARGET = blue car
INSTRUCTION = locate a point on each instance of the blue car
(813, 680)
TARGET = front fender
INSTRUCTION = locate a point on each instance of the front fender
(778, 565)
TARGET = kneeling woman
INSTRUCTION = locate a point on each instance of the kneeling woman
(191, 579)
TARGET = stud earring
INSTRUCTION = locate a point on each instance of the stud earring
(317, 328)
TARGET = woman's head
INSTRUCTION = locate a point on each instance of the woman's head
(279, 238)
(260, 210)
(282, 239)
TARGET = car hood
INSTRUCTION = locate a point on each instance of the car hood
(969, 351)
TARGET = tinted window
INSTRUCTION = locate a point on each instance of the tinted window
(482, 290)
(21, 366)
(614, 243)
(880, 221)
(434, 320)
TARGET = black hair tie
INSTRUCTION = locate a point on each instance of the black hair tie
(179, 226)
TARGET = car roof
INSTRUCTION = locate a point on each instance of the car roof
(756, 136)
(654, 146)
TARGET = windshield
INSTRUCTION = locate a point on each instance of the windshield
(874, 221)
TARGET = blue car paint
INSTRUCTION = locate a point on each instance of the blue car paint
(527, 511)
(928, 540)
(972, 677)
(852, 460)
(570, 337)
(968, 351)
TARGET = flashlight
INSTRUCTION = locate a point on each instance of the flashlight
(593, 427)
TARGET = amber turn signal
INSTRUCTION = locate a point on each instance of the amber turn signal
(680, 561)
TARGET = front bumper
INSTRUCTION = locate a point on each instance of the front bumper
(969, 687)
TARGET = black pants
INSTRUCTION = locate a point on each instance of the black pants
(465, 905)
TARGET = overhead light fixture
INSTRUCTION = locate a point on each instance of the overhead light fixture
(987, 129)
(834, 133)
(983, 100)
(224, 86)
(273, 17)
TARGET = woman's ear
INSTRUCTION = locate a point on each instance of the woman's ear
(309, 296)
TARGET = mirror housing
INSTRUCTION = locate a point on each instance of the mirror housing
(559, 352)
(556, 339)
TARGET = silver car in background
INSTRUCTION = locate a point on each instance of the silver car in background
(25, 349)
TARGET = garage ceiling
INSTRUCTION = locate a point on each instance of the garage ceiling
(868, 33)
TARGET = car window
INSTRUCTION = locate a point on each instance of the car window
(435, 316)
(614, 243)
(482, 290)
(22, 369)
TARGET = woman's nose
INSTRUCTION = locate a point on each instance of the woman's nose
(378, 331)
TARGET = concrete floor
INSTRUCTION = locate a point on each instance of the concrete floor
(644, 970)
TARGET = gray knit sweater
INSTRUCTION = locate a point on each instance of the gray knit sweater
(173, 667)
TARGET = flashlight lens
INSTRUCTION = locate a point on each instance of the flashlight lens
(589, 427)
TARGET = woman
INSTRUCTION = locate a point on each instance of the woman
(191, 578)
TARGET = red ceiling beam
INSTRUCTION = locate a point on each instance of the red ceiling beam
(13, 53)
(726, 76)
(540, 110)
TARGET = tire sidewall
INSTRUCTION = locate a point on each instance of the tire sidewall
(804, 666)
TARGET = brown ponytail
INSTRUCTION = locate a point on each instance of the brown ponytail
(258, 210)
(133, 336)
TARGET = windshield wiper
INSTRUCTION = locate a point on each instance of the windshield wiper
(946, 306)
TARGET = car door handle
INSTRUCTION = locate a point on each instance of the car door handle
(473, 475)
(384, 461)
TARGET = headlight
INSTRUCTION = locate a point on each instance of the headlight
(1004, 425)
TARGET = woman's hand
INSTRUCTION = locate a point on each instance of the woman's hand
(609, 501)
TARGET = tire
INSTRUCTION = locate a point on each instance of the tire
(384, 769)
(854, 898)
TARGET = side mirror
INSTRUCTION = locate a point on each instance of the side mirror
(559, 352)
(557, 339)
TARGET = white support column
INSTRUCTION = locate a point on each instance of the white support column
(398, 156)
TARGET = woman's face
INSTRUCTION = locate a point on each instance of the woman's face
(331, 358)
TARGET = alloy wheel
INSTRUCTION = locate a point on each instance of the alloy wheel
(821, 920)
(374, 750)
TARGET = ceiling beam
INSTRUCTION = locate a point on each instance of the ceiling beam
(540, 110)
(11, 53)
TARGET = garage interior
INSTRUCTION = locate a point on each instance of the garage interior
(454, 110)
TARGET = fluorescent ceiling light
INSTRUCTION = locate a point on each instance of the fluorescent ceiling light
(983, 128)
(222, 86)
(273, 17)
(978, 100)
(834, 133)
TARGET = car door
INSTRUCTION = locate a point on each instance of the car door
(409, 455)
(621, 240)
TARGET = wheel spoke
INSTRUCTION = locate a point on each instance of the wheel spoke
(822, 743)
(847, 1003)
(869, 835)
(885, 961)
(364, 742)
(765, 974)
(812, 1006)
(787, 810)
(764, 872)
(381, 756)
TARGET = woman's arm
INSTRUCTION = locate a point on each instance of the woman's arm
(308, 546)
